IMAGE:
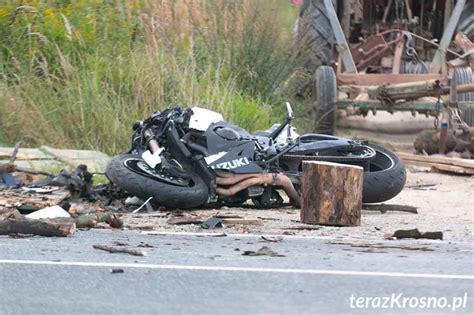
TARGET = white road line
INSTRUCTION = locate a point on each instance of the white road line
(240, 269)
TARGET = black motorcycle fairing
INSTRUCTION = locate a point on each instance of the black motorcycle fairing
(239, 159)
(181, 153)
(218, 137)
(139, 166)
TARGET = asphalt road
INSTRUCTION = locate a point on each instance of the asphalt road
(204, 274)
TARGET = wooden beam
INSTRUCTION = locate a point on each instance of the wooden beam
(429, 159)
(385, 78)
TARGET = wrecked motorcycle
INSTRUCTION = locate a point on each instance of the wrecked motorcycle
(193, 157)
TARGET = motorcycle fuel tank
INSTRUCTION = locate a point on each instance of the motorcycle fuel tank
(238, 159)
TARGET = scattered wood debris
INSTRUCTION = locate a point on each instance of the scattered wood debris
(443, 168)
(120, 249)
(12, 222)
(185, 220)
(227, 216)
(17, 199)
(440, 163)
(243, 221)
(302, 228)
(382, 246)
(383, 208)
(91, 220)
(264, 251)
(141, 226)
(270, 239)
(414, 233)
(229, 221)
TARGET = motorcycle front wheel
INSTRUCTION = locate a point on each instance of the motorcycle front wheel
(132, 174)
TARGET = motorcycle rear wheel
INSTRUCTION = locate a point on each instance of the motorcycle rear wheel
(182, 194)
(384, 179)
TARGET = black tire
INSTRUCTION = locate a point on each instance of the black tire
(165, 194)
(466, 21)
(315, 37)
(386, 178)
(464, 76)
(314, 44)
(326, 94)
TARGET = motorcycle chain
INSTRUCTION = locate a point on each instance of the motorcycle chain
(294, 157)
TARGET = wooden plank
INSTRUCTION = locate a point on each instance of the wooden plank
(429, 159)
(246, 221)
(24, 154)
(452, 169)
(397, 58)
(19, 156)
(463, 42)
(386, 78)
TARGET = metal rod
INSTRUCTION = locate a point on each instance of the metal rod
(439, 59)
(343, 47)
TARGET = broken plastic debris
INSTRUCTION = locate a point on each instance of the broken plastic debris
(212, 223)
(133, 201)
(39, 190)
(49, 213)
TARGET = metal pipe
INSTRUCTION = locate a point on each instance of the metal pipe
(153, 144)
(274, 179)
(343, 47)
(439, 59)
(235, 178)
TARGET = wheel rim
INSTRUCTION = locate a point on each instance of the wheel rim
(142, 168)
(361, 152)
(381, 162)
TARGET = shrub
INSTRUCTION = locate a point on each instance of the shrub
(78, 73)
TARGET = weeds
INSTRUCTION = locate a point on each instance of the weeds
(77, 74)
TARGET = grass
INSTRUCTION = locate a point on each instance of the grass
(77, 74)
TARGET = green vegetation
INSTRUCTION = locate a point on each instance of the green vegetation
(78, 73)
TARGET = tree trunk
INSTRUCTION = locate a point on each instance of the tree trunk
(332, 193)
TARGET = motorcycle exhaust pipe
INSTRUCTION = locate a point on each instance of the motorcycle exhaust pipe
(240, 182)
(226, 178)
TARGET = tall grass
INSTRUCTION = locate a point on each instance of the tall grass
(78, 73)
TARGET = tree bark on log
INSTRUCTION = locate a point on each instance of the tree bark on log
(36, 227)
(332, 193)
(119, 249)
(91, 220)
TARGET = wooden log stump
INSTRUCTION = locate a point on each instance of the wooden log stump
(332, 193)
(37, 227)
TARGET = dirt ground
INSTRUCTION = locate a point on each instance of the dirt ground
(444, 204)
